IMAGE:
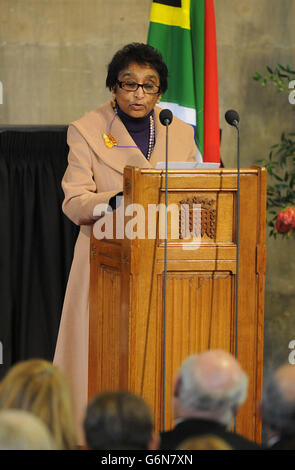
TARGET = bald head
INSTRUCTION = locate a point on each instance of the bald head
(211, 384)
(218, 371)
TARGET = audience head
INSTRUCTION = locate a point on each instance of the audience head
(278, 402)
(119, 420)
(206, 442)
(38, 386)
(210, 385)
(21, 430)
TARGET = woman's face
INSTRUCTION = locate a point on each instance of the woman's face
(137, 103)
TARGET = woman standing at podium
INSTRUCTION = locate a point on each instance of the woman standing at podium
(124, 131)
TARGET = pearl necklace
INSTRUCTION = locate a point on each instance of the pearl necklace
(151, 137)
(111, 142)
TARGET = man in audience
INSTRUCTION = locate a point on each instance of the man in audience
(208, 392)
(278, 408)
(21, 430)
(119, 420)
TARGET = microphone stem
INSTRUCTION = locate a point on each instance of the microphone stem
(238, 239)
(165, 278)
(237, 243)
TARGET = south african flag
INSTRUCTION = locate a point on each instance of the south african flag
(184, 32)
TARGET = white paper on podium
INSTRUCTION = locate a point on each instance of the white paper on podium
(188, 165)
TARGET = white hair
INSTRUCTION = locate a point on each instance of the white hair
(194, 397)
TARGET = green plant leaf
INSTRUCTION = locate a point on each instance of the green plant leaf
(280, 163)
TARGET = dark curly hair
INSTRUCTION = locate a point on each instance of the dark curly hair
(139, 53)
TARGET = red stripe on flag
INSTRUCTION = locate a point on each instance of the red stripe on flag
(211, 108)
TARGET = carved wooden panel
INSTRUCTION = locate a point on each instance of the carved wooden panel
(110, 325)
(197, 217)
(199, 316)
(208, 215)
(105, 334)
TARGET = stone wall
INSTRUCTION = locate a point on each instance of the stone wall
(251, 35)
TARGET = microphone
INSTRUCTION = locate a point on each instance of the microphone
(166, 117)
(232, 117)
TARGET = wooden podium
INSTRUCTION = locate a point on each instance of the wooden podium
(132, 344)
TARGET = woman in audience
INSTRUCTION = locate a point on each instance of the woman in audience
(38, 386)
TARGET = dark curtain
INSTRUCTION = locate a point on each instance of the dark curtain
(36, 242)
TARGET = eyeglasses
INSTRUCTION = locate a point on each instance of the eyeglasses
(148, 88)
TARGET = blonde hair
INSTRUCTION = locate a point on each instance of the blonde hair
(22, 430)
(36, 385)
(207, 442)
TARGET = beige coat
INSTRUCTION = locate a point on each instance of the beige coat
(94, 174)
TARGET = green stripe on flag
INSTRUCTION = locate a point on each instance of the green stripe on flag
(174, 43)
(183, 50)
(186, 37)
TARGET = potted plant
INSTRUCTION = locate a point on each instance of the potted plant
(280, 163)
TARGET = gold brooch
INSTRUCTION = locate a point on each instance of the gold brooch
(109, 140)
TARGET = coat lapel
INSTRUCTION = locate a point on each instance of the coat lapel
(94, 124)
(158, 154)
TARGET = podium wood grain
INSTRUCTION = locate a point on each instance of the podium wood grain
(127, 339)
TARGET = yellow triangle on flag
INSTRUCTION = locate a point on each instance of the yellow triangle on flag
(172, 16)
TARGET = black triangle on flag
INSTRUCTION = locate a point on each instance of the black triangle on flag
(170, 3)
